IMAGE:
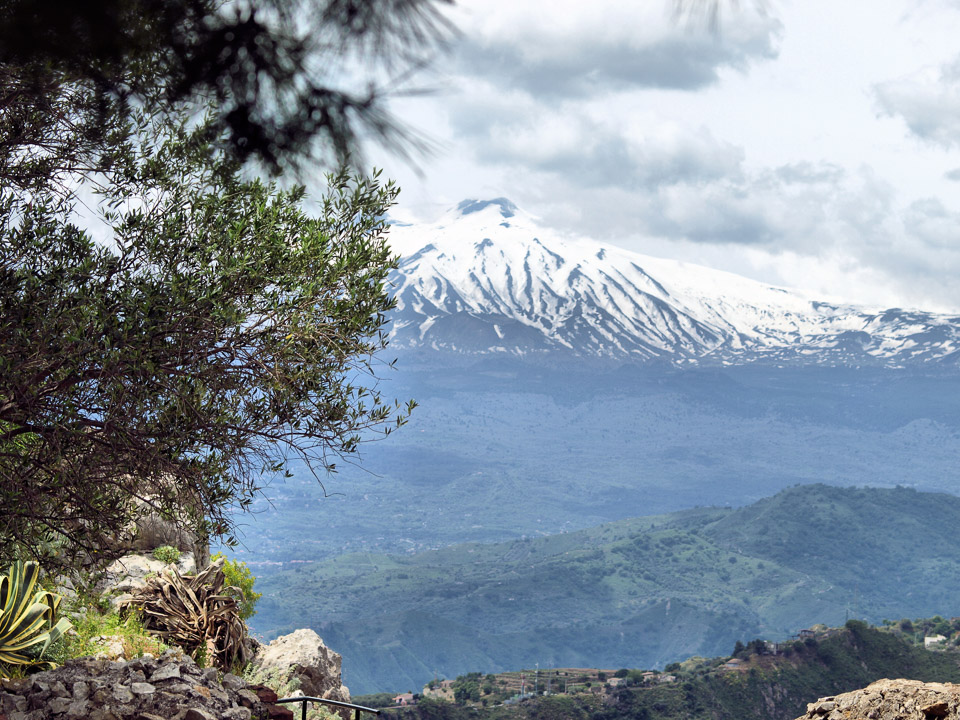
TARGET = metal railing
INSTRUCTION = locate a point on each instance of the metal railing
(305, 699)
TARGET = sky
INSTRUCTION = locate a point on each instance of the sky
(804, 143)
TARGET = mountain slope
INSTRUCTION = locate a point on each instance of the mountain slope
(635, 593)
(486, 279)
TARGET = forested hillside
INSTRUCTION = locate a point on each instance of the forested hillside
(637, 593)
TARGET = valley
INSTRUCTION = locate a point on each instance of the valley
(499, 450)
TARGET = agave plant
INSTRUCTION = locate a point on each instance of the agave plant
(27, 625)
(198, 613)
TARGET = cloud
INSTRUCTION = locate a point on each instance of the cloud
(598, 147)
(929, 221)
(928, 101)
(802, 208)
(609, 120)
(577, 49)
(808, 173)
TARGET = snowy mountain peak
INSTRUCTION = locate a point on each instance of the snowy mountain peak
(468, 207)
(486, 279)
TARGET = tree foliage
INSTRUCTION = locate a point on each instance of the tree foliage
(211, 336)
(285, 78)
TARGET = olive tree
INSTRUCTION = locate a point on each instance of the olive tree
(201, 335)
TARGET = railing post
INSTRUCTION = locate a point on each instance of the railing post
(303, 710)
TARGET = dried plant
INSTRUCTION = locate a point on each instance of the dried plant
(198, 613)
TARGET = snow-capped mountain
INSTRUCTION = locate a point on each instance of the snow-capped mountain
(485, 279)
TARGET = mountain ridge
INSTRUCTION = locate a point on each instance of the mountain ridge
(486, 279)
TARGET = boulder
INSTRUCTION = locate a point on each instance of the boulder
(302, 655)
(890, 700)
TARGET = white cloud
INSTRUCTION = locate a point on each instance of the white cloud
(932, 223)
(928, 101)
(596, 146)
(575, 49)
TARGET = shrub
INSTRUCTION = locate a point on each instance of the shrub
(238, 575)
(167, 554)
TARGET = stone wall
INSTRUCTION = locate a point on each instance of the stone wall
(169, 687)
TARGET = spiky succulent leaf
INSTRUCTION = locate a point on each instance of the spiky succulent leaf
(27, 618)
(198, 613)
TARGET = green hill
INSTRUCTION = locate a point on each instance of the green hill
(635, 593)
(766, 688)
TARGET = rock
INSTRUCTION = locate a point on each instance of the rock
(266, 698)
(232, 682)
(891, 700)
(59, 705)
(152, 532)
(237, 713)
(122, 694)
(822, 706)
(165, 673)
(197, 714)
(111, 647)
(303, 655)
(124, 577)
(247, 698)
(264, 694)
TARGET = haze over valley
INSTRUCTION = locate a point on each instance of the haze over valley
(565, 384)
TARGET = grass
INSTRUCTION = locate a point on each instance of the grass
(93, 624)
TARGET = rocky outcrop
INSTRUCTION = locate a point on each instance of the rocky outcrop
(303, 656)
(124, 577)
(152, 531)
(890, 700)
(170, 687)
